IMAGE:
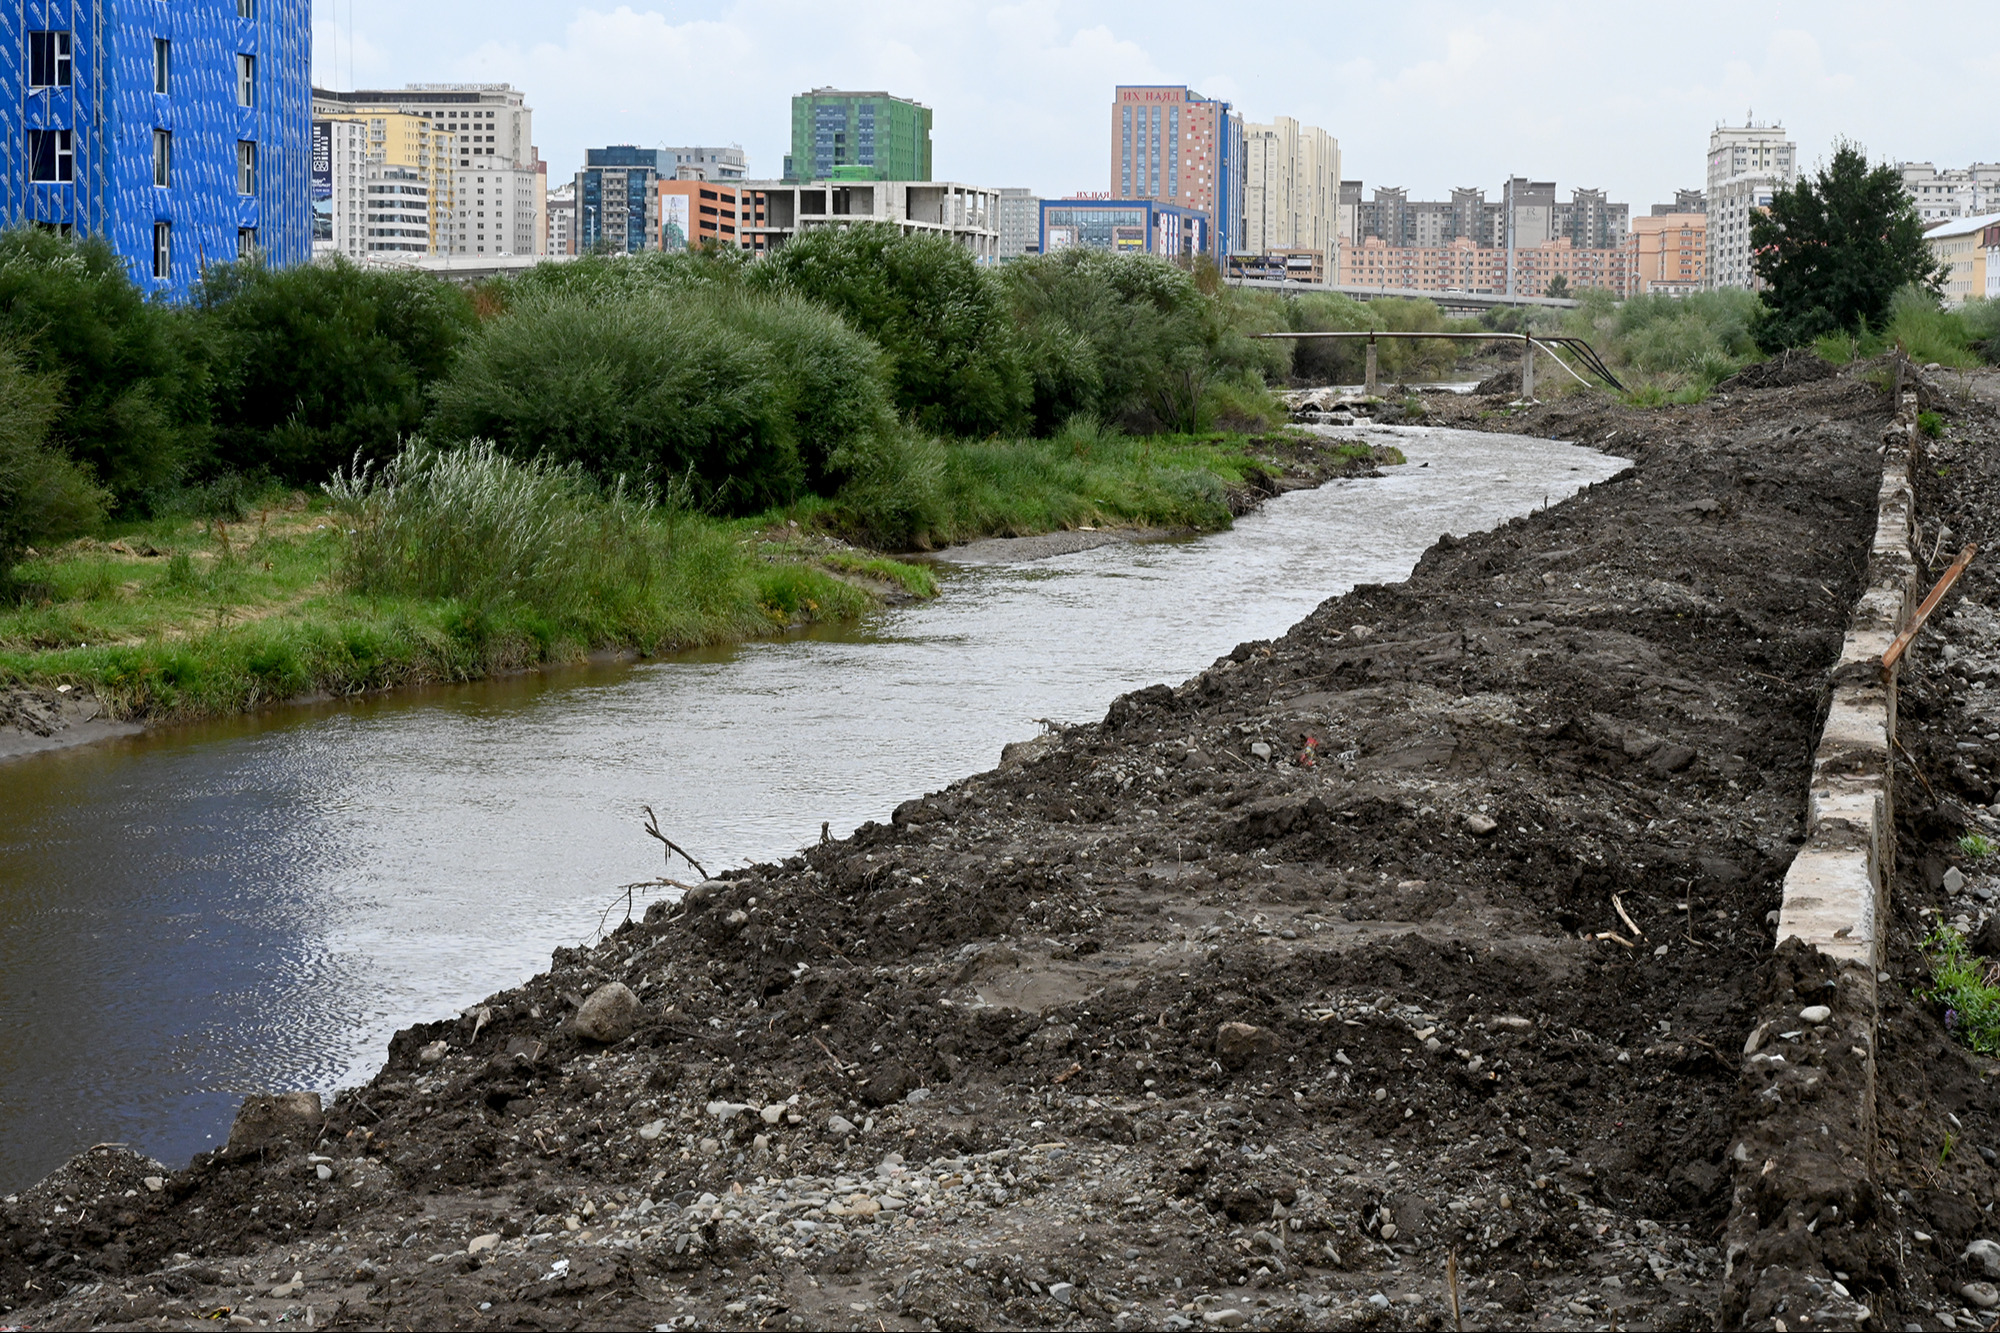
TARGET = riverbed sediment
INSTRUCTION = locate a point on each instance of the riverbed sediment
(1394, 972)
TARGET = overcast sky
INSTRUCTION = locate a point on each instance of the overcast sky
(1427, 95)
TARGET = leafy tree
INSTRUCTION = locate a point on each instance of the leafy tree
(953, 359)
(44, 496)
(319, 362)
(1129, 338)
(128, 374)
(1833, 249)
(1558, 286)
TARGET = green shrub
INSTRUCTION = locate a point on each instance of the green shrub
(1135, 340)
(321, 362)
(954, 362)
(129, 375)
(714, 388)
(1924, 330)
(1930, 423)
(44, 496)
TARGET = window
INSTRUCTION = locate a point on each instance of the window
(48, 60)
(246, 167)
(246, 80)
(163, 157)
(50, 158)
(163, 249)
(246, 242)
(246, 9)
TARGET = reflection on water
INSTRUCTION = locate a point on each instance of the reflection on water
(258, 903)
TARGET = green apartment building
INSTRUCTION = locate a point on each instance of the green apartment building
(858, 136)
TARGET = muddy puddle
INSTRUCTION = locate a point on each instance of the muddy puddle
(205, 911)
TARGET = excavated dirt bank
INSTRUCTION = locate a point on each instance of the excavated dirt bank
(1400, 963)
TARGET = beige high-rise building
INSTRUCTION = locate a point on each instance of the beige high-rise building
(1291, 195)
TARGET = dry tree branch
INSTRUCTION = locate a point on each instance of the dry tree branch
(673, 848)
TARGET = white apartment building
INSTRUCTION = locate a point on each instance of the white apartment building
(1020, 214)
(1967, 192)
(966, 214)
(1747, 164)
(709, 164)
(561, 209)
(1291, 192)
(488, 188)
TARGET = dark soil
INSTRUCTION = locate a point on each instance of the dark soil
(1403, 962)
(1788, 368)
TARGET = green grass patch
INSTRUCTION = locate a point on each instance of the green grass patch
(1964, 987)
(457, 564)
(1975, 846)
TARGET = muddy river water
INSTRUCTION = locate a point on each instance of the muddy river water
(205, 911)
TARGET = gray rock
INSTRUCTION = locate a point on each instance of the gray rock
(839, 1126)
(1225, 1319)
(1261, 750)
(1954, 880)
(1982, 1294)
(1063, 1293)
(433, 1053)
(1479, 825)
(1815, 1013)
(609, 1015)
(1983, 1255)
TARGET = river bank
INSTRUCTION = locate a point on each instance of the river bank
(1394, 966)
(175, 621)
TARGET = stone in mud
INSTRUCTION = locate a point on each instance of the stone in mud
(609, 1014)
(1983, 1256)
(1986, 940)
(1238, 1042)
(1954, 880)
(1982, 1294)
(887, 1084)
(1479, 825)
(265, 1122)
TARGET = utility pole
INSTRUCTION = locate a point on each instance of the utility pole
(1507, 201)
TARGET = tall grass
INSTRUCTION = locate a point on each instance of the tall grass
(542, 539)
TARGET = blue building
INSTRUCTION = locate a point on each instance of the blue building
(618, 197)
(1126, 226)
(176, 128)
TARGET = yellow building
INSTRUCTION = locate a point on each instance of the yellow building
(405, 145)
(1960, 246)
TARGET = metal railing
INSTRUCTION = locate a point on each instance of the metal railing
(1577, 347)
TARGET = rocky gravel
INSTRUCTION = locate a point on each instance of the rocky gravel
(1395, 973)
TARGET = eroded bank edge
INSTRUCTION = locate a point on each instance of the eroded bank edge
(1804, 1155)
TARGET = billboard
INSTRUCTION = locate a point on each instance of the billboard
(321, 152)
(674, 223)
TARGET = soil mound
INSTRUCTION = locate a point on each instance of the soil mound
(1504, 382)
(1785, 370)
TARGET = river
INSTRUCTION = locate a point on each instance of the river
(258, 903)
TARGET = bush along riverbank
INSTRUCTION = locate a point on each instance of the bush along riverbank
(450, 565)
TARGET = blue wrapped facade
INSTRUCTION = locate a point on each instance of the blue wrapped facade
(176, 128)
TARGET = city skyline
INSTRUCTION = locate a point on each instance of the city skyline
(1018, 90)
